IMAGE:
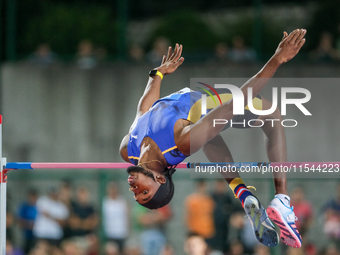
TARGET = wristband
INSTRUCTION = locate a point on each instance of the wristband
(153, 73)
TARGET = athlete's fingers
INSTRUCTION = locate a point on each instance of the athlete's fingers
(302, 34)
(180, 61)
(169, 53)
(301, 43)
(292, 35)
(284, 36)
(299, 36)
(163, 59)
(179, 53)
(174, 53)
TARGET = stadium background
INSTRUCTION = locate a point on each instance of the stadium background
(62, 112)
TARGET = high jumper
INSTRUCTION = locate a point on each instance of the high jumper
(164, 133)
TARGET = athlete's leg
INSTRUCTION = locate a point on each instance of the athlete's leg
(279, 209)
(216, 150)
(276, 145)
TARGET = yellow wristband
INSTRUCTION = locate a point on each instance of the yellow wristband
(159, 74)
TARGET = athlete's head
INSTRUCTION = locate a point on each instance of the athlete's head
(151, 189)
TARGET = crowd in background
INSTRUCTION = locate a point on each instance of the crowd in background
(89, 56)
(64, 221)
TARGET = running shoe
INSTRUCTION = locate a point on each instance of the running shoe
(284, 217)
(264, 230)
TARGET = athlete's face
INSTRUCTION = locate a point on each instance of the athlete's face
(143, 184)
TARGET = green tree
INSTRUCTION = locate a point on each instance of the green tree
(64, 26)
(188, 28)
(264, 38)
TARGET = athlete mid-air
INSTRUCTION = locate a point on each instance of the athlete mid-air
(166, 131)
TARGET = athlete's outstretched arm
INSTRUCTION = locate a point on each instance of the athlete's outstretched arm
(203, 130)
(151, 93)
(287, 49)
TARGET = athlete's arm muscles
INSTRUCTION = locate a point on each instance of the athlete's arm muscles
(203, 130)
(152, 91)
(151, 94)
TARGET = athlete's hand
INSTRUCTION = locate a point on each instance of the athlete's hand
(172, 60)
(290, 45)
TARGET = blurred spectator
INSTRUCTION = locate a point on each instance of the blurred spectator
(261, 250)
(331, 226)
(195, 245)
(331, 249)
(242, 231)
(43, 56)
(111, 249)
(136, 53)
(167, 250)
(115, 216)
(294, 251)
(69, 247)
(11, 250)
(92, 245)
(236, 248)
(222, 52)
(83, 219)
(52, 214)
(132, 248)
(303, 210)
(85, 55)
(151, 226)
(224, 208)
(199, 209)
(159, 49)
(27, 213)
(54, 250)
(325, 51)
(239, 52)
(332, 217)
(100, 54)
(65, 196)
(65, 193)
(310, 248)
(41, 248)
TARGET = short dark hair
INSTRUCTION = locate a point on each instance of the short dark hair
(192, 234)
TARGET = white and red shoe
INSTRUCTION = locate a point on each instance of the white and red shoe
(284, 217)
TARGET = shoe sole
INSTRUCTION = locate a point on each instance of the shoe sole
(263, 234)
(287, 235)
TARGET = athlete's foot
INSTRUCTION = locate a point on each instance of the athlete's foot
(264, 230)
(284, 217)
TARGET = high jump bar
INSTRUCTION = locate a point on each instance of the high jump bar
(73, 165)
(117, 165)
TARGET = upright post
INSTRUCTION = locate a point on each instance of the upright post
(3, 198)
